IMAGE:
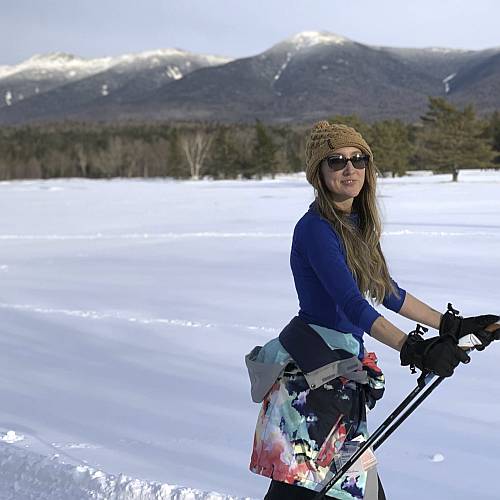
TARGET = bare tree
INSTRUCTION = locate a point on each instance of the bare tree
(195, 145)
(81, 159)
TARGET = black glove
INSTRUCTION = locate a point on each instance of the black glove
(439, 355)
(486, 338)
(457, 327)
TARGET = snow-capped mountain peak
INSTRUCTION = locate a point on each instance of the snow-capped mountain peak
(52, 58)
(305, 40)
(309, 38)
(171, 52)
(42, 65)
(58, 62)
(93, 78)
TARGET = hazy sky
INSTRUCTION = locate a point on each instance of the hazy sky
(92, 28)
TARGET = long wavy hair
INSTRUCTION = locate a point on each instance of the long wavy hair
(362, 244)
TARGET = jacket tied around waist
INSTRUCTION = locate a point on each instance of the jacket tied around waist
(314, 385)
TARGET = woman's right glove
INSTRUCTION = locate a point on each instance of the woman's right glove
(439, 355)
(457, 327)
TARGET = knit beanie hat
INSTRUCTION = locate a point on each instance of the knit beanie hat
(327, 137)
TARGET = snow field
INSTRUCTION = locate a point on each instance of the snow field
(128, 307)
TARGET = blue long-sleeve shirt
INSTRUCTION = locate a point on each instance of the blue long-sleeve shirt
(328, 294)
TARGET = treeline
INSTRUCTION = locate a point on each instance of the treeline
(445, 140)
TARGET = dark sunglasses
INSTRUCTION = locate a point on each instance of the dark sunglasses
(338, 162)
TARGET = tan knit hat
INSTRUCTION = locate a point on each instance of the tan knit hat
(327, 137)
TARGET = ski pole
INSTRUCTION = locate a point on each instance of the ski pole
(409, 411)
(468, 342)
(378, 433)
(391, 424)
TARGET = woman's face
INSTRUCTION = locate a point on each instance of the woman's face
(344, 184)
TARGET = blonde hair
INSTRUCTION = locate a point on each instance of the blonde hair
(362, 244)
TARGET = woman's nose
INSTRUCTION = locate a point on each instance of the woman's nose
(348, 168)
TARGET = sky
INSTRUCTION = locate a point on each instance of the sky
(94, 28)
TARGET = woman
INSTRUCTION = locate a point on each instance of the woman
(316, 379)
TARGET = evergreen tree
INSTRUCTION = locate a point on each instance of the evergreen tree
(451, 139)
(391, 146)
(264, 151)
(290, 152)
(493, 134)
(224, 159)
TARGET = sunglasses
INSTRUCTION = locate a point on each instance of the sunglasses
(338, 162)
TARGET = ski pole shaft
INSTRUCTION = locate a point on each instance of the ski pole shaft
(407, 413)
(491, 328)
(375, 436)
(410, 410)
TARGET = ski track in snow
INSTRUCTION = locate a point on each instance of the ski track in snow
(214, 234)
(408, 232)
(140, 236)
(28, 476)
(97, 315)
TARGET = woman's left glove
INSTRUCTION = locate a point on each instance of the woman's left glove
(457, 327)
(439, 355)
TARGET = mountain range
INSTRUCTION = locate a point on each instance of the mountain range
(308, 76)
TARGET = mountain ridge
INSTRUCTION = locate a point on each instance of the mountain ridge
(303, 77)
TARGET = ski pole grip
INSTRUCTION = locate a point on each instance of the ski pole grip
(470, 341)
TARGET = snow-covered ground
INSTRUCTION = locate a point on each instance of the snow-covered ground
(127, 308)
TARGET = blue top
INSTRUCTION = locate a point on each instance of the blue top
(328, 294)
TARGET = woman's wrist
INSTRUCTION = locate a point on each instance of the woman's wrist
(384, 331)
(418, 311)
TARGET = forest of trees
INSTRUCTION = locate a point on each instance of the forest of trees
(445, 140)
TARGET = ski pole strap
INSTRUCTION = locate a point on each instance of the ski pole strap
(418, 332)
(424, 378)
